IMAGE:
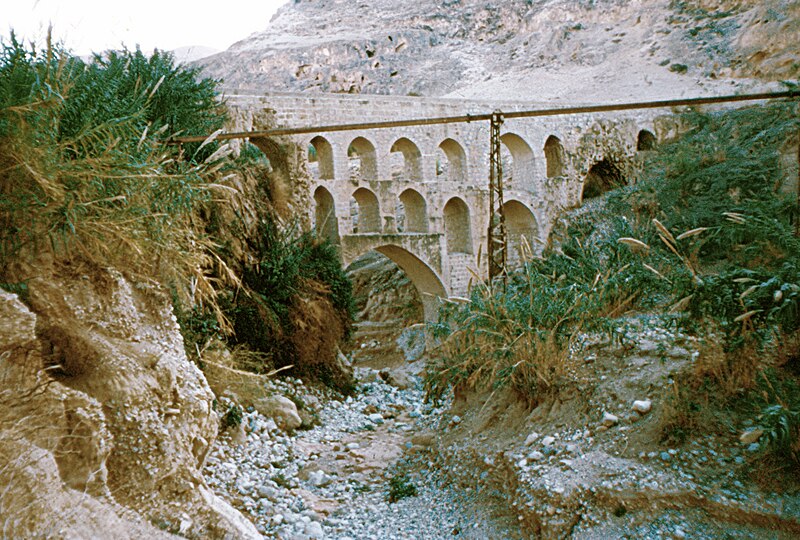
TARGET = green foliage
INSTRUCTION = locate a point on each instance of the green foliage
(724, 174)
(251, 154)
(782, 428)
(232, 417)
(162, 98)
(288, 266)
(197, 325)
(400, 487)
(84, 169)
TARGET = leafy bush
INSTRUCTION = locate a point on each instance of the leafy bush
(782, 428)
(400, 487)
(298, 302)
(232, 417)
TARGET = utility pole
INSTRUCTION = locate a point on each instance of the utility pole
(496, 237)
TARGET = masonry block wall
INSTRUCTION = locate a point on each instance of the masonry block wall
(423, 190)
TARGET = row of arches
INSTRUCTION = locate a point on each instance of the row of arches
(412, 217)
(405, 159)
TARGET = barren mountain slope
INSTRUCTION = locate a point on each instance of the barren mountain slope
(570, 50)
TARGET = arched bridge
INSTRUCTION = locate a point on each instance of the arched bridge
(419, 194)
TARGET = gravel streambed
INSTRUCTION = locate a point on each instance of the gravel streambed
(333, 481)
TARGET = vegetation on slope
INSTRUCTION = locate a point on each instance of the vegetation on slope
(709, 234)
(85, 173)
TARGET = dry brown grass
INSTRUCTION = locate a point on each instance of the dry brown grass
(503, 351)
(317, 329)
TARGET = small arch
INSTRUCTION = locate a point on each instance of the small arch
(365, 212)
(406, 160)
(362, 159)
(554, 156)
(320, 158)
(603, 176)
(457, 226)
(423, 277)
(412, 212)
(279, 158)
(517, 159)
(451, 161)
(645, 141)
(326, 224)
(521, 230)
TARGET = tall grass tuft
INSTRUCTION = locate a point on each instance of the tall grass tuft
(85, 172)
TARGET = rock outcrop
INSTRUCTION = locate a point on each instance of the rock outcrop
(104, 423)
(544, 50)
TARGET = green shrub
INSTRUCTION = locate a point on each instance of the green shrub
(782, 429)
(298, 302)
(84, 169)
(400, 487)
(232, 417)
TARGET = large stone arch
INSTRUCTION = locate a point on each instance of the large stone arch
(365, 212)
(603, 176)
(451, 161)
(457, 226)
(362, 159)
(412, 212)
(555, 157)
(326, 224)
(406, 160)
(320, 158)
(423, 277)
(518, 163)
(522, 232)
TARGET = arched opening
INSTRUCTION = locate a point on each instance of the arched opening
(320, 158)
(386, 303)
(362, 160)
(451, 161)
(603, 176)
(522, 232)
(457, 226)
(554, 155)
(517, 159)
(421, 275)
(326, 224)
(412, 212)
(365, 212)
(645, 141)
(275, 152)
(405, 160)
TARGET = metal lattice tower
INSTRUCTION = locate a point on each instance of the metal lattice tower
(497, 237)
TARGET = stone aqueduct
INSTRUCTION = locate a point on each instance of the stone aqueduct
(419, 194)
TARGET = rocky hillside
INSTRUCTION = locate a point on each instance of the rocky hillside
(570, 50)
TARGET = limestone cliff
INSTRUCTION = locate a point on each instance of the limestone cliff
(572, 50)
(104, 423)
